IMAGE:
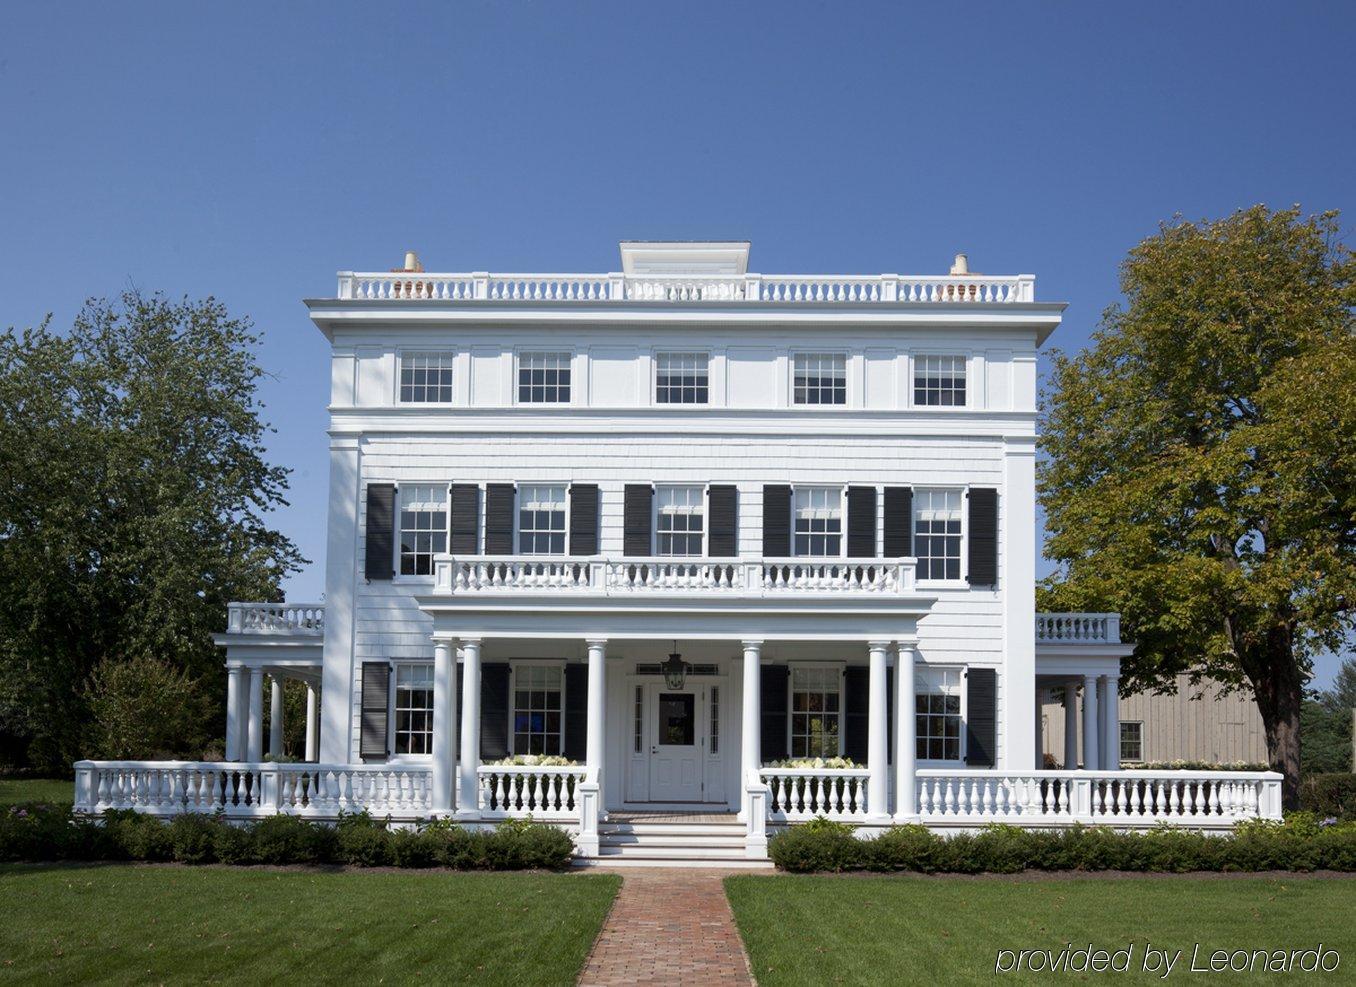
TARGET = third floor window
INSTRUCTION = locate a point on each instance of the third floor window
(426, 378)
(939, 380)
(543, 378)
(681, 378)
(819, 378)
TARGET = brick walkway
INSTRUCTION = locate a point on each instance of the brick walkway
(668, 926)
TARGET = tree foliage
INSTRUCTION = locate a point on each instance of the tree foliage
(1199, 473)
(133, 495)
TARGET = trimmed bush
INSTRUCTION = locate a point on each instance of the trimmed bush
(1329, 795)
(192, 838)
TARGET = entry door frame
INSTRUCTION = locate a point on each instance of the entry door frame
(637, 787)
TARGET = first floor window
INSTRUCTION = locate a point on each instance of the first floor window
(541, 520)
(414, 709)
(937, 533)
(819, 378)
(537, 709)
(1132, 740)
(818, 515)
(940, 381)
(938, 710)
(816, 705)
(681, 378)
(543, 378)
(426, 378)
(679, 512)
(423, 527)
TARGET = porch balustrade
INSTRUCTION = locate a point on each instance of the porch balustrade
(275, 618)
(544, 793)
(1078, 628)
(798, 794)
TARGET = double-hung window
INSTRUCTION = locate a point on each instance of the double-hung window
(819, 378)
(818, 516)
(413, 707)
(423, 527)
(681, 378)
(426, 378)
(1132, 741)
(939, 380)
(679, 516)
(938, 714)
(537, 704)
(541, 520)
(543, 378)
(816, 711)
(937, 533)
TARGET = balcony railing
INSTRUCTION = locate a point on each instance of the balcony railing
(1078, 628)
(841, 289)
(507, 575)
(275, 618)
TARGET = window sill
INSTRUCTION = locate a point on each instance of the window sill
(943, 584)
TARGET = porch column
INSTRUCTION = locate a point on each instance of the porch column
(877, 742)
(444, 725)
(255, 749)
(1071, 725)
(595, 738)
(312, 722)
(1091, 759)
(234, 728)
(468, 798)
(906, 748)
(1111, 716)
(275, 716)
(750, 725)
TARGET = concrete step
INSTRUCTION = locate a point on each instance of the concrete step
(693, 840)
(671, 829)
(680, 852)
(724, 863)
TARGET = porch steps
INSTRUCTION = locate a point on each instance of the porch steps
(672, 844)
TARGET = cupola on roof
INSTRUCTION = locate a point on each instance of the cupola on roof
(699, 257)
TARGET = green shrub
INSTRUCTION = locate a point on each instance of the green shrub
(807, 848)
(234, 844)
(192, 838)
(906, 848)
(284, 839)
(1330, 796)
(362, 841)
(136, 836)
(520, 844)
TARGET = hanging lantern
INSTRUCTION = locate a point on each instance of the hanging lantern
(675, 669)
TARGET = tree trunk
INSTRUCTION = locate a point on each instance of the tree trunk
(1279, 693)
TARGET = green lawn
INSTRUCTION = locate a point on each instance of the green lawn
(128, 923)
(860, 930)
(36, 790)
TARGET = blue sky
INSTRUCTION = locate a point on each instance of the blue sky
(250, 151)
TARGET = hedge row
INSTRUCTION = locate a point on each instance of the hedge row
(45, 832)
(1301, 843)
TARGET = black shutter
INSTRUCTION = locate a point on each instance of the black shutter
(380, 561)
(465, 518)
(774, 680)
(898, 522)
(856, 711)
(983, 537)
(776, 521)
(861, 522)
(494, 711)
(576, 712)
(499, 498)
(583, 519)
(375, 717)
(981, 700)
(637, 508)
(723, 542)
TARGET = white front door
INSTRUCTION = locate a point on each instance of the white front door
(676, 745)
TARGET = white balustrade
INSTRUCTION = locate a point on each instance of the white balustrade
(1078, 628)
(275, 618)
(798, 794)
(530, 790)
(808, 575)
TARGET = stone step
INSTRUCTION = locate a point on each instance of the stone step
(694, 840)
(735, 830)
(680, 851)
(630, 860)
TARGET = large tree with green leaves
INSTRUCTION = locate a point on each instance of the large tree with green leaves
(134, 491)
(1199, 468)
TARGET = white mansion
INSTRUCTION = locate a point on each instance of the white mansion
(695, 535)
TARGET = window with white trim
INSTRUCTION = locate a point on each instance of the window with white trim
(937, 533)
(423, 527)
(543, 378)
(679, 520)
(541, 520)
(426, 378)
(1132, 740)
(819, 378)
(538, 699)
(938, 720)
(413, 707)
(939, 380)
(816, 711)
(817, 513)
(681, 378)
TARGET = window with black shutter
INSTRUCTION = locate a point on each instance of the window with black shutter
(723, 502)
(776, 521)
(861, 522)
(375, 713)
(773, 692)
(981, 703)
(499, 500)
(637, 513)
(583, 519)
(983, 537)
(380, 541)
(898, 522)
(465, 518)
(494, 711)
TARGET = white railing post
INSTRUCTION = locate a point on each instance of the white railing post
(755, 829)
(587, 793)
(616, 287)
(84, 786)
(889, 287)
(345, 284)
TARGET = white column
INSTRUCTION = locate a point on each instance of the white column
(877, 742)
(234, 728)
(1091, 758)
(275, 716)
(255, 749)
(750, 724)
(312, 722)
(906, 749)
(1111, 716)
(468, 798)
(444, 725)
(1071, 725)
(1017, 533)
(595, 738)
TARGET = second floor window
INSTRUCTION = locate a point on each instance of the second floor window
(423, 527)
(543, 378)
(679, 516)
(537, 692)
(818, 516)
(939, 380)
(816, 708)
(681, 378)
(1132, 740)
(413, 708)
(541, 520)
(937, 533)
(819, 378)
(426, 378)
